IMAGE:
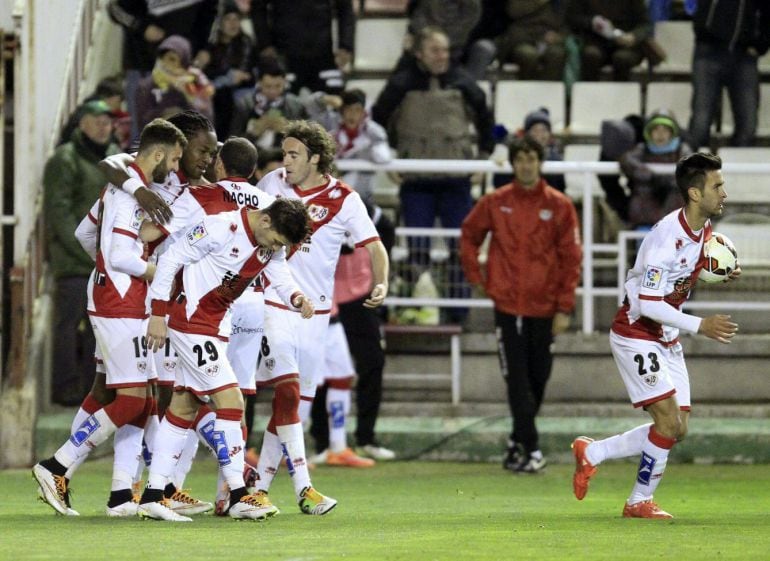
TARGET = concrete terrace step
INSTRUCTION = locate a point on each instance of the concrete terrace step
(737, 434)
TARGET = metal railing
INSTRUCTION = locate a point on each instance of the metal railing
(588, 292)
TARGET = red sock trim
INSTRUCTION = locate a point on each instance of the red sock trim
(661, 441)
(124, 409)
(141, 420)
(90, 405)
(230, 414)
(286, 403)
(177, 421)
(306, 398)
(203, 410)
(340, 383)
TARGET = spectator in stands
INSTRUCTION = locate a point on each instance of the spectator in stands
(230, 67)
(261, 117)
(174, 84)
(729, 38)
(429, 109)
(72, 182)
(110, 91)
(359, 137)
(534, 39)
(145, 24)
(457, 18)
(654, 195)
(312, 55)
(612, 32)
(531, 273)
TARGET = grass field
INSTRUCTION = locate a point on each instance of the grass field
(415, 511)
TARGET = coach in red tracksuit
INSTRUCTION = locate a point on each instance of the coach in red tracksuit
(531, 274)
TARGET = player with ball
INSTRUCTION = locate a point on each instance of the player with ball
(645, 333)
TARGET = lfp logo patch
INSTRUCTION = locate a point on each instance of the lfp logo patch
(197, 233)
(652, 277)
(137, 218)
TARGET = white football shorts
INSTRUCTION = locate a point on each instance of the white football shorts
(338, 363)
(202, 366)
(246, 317)
(651, 371)
(123, 351)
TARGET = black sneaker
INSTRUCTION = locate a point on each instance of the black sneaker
(514, 456)
(533, 465)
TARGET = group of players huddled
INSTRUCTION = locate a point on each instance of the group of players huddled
(179, 260)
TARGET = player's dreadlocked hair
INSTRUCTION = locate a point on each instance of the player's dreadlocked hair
(191, 123)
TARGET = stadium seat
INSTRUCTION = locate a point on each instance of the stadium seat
(742, 188)
(749, 233)
(370, 86)
(593, 102)
(575, 180)
(678, 40)
(763, 123)
(514, 99)
(378, 43)
(674, 96)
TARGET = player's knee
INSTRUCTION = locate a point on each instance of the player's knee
(231, 398)
(286, 403)
(668, 426)
(683, 428)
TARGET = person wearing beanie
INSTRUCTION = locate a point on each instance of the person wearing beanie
(653, 196)
(174, 84)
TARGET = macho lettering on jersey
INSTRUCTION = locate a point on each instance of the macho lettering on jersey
(196, 233)
(652, 277)
(240, 198)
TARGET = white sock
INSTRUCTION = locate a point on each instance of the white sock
(91, 433)
(293, 442)
(184, 465)
(269, 460)
(304, 410)
(168, 447)
(622, 445)
(151, 432)
(229, 440)
(652, 464)
(338, 407)
(80, 416)
(128, 456)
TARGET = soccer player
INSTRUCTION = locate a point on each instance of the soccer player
(117, 291)
(645, 336)
(292, 352)
(221, 256)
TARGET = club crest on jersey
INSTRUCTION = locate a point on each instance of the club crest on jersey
(196, 233)
(317, 212)
(137, 218)
(545, 214)
(652, 277)
(263, 254)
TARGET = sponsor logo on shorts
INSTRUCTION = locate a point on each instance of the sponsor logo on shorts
(652, 277)
(196, 233)
(246, 330)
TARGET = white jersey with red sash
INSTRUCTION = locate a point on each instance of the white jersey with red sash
(334, 208)
(221, 258)
(666, 268)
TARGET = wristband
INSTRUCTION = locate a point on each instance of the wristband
(159, 307)
(131, 185)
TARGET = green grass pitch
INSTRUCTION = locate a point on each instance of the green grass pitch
(415, 511)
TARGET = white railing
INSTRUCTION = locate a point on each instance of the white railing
(587, 291)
